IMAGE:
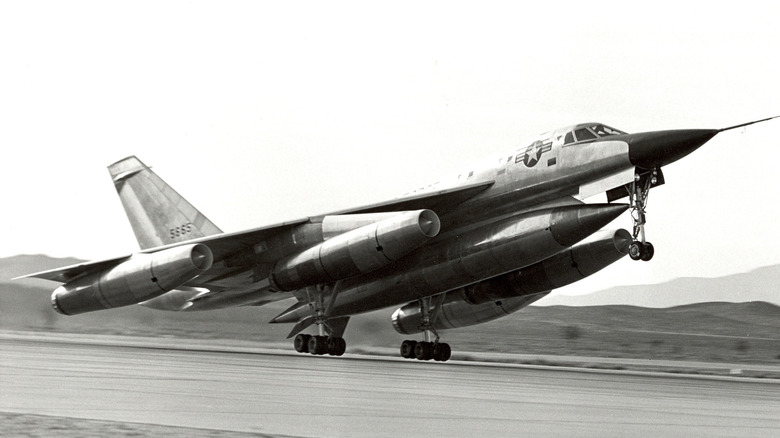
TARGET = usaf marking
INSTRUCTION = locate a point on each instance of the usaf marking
(534, 152)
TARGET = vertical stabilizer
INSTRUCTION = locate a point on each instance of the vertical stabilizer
(158, 214)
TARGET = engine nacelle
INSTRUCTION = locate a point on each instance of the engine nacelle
(356, 252)
(457, 313)
(140, 278)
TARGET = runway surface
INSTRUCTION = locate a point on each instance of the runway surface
(301, 395)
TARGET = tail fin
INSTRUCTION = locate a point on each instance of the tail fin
(158, 214)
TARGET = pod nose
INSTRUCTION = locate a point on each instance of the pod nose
(571, 224)
(651, 150)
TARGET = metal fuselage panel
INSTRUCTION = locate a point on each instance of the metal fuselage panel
(544, 174)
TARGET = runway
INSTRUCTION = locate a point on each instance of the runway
(301, 395)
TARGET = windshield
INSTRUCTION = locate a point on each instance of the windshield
(604, 130)
(583, 134)
(590, 132)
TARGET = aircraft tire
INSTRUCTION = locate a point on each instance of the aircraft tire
(647, 251)
(635, 250)
(318, 345)
(301, 343)
(442, 352)
(407, 349)
(423, 351)
(342, 347)
(336, 346)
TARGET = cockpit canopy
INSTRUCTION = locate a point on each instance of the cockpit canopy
(589, 131)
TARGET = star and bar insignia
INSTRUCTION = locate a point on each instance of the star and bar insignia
(533, 153)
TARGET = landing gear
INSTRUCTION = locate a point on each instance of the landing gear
(333, 343)
(320, 345)
(641, 249)
(427, 349)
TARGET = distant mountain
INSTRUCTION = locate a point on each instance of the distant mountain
(762, 284)
(12, 267)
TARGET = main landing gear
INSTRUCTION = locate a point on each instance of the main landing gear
(640, 249)
(427, 349)
(329, 340)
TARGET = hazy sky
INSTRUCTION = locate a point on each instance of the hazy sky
(261, 113)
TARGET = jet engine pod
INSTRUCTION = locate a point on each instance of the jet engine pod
(356, 252)
(457, 313)
(140, 278)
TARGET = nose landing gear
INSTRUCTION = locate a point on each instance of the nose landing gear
(640, 248)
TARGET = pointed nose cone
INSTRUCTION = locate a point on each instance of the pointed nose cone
(570, 225)
(652, 150)
(297, 312)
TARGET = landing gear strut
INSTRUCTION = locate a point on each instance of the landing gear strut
(427, 349)
(640, 248)
(329, 339)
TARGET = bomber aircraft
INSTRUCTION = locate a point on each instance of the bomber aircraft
(460, 252)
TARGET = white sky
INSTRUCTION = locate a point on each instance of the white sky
(259, 113)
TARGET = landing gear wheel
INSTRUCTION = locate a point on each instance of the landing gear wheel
(336, 346)
(301, 343)
(318, 345)
(647, 251)
(635, 250)
(641, 251)
(407, 349)
(442, 352)
(423, 351)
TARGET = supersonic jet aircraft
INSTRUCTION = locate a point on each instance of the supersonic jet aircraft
(481, 246)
